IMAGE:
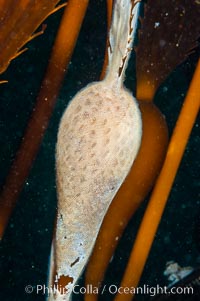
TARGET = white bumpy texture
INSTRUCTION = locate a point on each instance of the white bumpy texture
(98, 140)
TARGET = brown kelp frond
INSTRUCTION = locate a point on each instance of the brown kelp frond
(19, 20)
(56, 9)
(61, 54)
(168, 31)
(195, 47)
(36, 34)
(18, 53)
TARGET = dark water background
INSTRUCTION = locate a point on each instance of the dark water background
(25, 247)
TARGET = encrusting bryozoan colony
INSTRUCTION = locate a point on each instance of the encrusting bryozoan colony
(98, 139)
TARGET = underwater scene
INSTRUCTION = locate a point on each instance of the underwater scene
(99, 156)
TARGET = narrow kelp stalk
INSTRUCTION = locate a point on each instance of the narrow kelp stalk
(60, 57)
(158, 200)
(18, 22)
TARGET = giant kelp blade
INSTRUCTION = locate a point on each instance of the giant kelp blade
(18, 21)
(169, 30)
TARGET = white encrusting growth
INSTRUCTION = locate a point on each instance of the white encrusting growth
(121, 37)
(98, 140)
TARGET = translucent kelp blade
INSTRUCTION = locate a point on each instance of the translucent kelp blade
(169, 30)
(18, 21)
(60, 57)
